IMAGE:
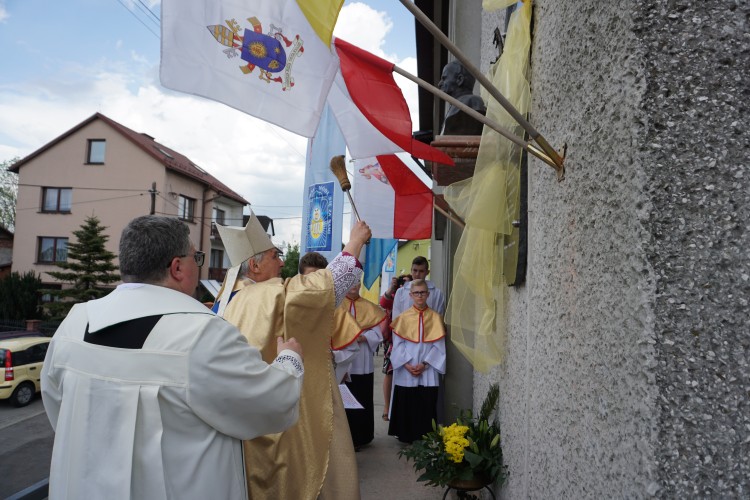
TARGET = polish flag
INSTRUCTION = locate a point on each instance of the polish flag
(369, 81)
(392, 199)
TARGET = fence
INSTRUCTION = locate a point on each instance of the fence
(28, 326)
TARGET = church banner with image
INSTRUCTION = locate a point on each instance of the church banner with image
(322, 199)
(319, 223)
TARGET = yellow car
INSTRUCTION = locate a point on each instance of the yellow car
(21, 364)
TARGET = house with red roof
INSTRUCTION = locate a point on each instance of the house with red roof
(102, 168)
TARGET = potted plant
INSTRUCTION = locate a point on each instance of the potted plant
(465, 455)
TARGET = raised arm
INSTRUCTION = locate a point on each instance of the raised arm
(345, 267)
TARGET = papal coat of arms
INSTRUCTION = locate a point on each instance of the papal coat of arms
(272, 53)
(374, 170)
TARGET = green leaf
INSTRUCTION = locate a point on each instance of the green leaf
(474, 459)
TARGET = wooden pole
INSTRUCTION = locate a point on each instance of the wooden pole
(484, 81)
(527, 145)
(454, 218)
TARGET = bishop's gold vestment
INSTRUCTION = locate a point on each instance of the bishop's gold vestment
(315, 457)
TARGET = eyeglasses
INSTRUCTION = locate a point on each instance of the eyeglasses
(199, 257)
(420, 293)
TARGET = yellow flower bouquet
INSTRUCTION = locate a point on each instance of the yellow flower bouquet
(467, 450)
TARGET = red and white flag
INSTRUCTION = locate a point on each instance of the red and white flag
(392, 199)
(369, 81)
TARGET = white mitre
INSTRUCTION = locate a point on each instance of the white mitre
(241, 243)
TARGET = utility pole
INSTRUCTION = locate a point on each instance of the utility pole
(153, 198)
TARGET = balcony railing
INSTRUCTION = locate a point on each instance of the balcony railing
(217, 273)
(215, 232)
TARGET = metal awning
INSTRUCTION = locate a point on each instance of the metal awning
(211, 286)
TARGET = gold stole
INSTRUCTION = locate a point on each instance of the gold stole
(347, 328)
(406, 325)
(291, 464)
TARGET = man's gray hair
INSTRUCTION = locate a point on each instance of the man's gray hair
(147, 246)
(245, 266)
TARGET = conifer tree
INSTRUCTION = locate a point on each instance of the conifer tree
(8, 194)
(19, 296)
(291, 261)
(88, 268)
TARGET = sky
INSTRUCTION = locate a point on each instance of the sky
(63, 61)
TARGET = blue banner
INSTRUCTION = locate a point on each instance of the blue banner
(319, 223)
(375, 254)
(322, 191)
(390, 261)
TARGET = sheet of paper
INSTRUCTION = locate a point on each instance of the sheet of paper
(350, 402)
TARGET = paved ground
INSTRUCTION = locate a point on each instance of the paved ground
(25, 446)
(382, 474)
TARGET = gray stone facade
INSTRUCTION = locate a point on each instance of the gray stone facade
(697, 161)
(627, 373)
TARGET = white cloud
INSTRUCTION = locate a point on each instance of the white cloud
(367, 28)
(360, 24)
(3, 12)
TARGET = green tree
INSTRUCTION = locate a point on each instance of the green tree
(291, 261)
(8, 194)
(19, 296)
(88, 269)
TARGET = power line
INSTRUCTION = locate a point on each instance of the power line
(143, 8)
(132, 13)
(276, 206)
(148, 9)
(273, 130)
(85, 188)
(36, 207)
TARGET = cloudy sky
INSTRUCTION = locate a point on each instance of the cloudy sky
(64, 61)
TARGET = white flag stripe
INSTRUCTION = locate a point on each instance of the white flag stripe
(193, 61)
(362, 139)
(374, 197)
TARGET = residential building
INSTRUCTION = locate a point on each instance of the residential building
(102, 168)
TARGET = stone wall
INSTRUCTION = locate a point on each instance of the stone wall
(697, 151)
(627, 369)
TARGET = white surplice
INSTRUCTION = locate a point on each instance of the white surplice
(165, 421)
(362, 363)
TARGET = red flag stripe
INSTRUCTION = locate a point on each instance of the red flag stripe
(413, 200)
(369, 80)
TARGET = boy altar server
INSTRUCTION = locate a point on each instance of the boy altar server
(418, 357)
(370, 320)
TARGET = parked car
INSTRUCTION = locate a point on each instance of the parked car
(21, 362)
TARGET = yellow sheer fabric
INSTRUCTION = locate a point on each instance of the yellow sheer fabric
(489, 202)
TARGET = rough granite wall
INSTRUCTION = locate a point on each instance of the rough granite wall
(579, 395)
(697, 151)
(627, 371)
